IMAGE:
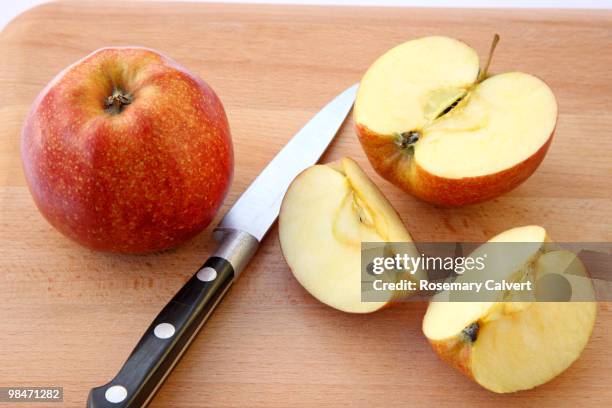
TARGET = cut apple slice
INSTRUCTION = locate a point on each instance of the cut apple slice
(433, 126)
(507, 345)
(327, 212)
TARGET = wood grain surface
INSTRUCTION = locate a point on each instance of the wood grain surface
(69, 316)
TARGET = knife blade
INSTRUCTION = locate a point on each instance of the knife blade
(258, 207)
(239, 234)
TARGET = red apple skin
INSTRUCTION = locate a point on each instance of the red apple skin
(144, 179)
(456, 353)
(386, 158)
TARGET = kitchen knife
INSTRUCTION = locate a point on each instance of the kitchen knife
(238, 234)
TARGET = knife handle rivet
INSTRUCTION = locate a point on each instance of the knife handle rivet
(164, 331)
(115, 394)
(207, 274)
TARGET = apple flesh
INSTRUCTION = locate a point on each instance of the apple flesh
(435, 127)
(515, 343)
(126, 151)
(327, 212)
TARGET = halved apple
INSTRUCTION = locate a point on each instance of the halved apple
(432, 123)
(514, 342)
(327, 212)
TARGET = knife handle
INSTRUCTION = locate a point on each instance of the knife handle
(175, 326)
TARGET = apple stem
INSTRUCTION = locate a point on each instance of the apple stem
(483, 74)
(114, 103)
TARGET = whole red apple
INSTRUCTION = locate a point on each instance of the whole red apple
(126, 151)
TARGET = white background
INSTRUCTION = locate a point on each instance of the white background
(9, 9)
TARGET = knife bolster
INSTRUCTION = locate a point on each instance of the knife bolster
(236, 246)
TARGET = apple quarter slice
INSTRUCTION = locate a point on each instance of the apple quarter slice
(327, 212)
(507, 345)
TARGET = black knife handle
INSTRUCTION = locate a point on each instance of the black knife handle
(174, 328)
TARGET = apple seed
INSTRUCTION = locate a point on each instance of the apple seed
(449, 108)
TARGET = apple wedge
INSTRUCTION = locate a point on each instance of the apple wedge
(433, 123)
(515, 343)
(327, 212)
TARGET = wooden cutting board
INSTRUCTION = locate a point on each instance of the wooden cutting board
(69, 316)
